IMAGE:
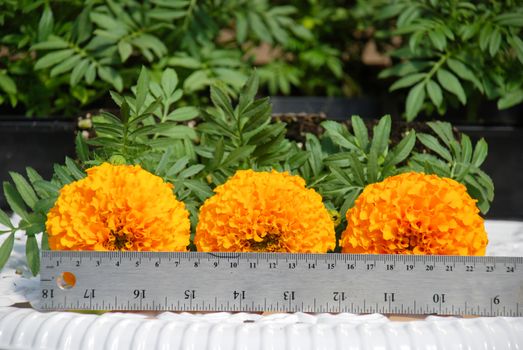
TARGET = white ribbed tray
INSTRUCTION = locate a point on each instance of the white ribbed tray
(23, 328)
(29, 329)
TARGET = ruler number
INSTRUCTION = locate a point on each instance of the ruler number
(238, 294)
(429, 267)
(351, 266)
(196, 264)
(139, 293)
(292, 265)
(437, 298)
(189, 294)
(510, 269)
(390, 296)
(331, 266)
(252, 265)
(489, 268)
(89, 294)
(233, 265)
(312, 266)
(370, 266)
(289, 295)
(338, 296)
(390, 267)
(495, 300)
(47, 293)
(449, 268)
(469, 268)
(409, 267)
(77, 263)
(157, 264)
(272, 265)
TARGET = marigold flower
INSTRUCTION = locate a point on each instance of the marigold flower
(414, 213)
(264, 212)
(118, 207)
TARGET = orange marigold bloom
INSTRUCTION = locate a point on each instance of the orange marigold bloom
(414, 213)
(118, 207)
(264, 212)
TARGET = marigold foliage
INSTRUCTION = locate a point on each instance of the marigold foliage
(414, 213)
(266, 212)
(118, 207)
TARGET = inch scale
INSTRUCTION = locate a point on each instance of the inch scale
(259, 282)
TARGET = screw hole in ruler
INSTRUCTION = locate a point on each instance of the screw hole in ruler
(66, 280)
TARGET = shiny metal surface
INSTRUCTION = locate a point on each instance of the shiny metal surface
(399, 284)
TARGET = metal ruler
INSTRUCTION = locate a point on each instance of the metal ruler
(257, 282)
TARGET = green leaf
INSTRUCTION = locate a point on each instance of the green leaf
(24, 189)
(45, 241)
(32, 252)
(125, 50)
(142, 88)
(438, 39)
(78, 72)
(360, 131)
(6, 248)
(512, 98)
(494, 42)
(74, 169)
(415, 100)
(517, 45)
(183, 114)
(339, 134)
(65, 66)
(178, 166)
(185, 62)
(111, 76)
(196, 81)
(4, 219)
(381, 135)
(53, 58)
(191, 171)
(350, 198)
(259, 28)
(241, 27)
(435, 93)
(237, 155)
(201, 190)
(510, 19)
(82, 150)
(15, 201)
(443, 130)
(341, 176)
(407, 81)
(466, 149)
(464, 72)
(433, 144)
(402, 150)
(45, 26)
(357, 170)
(52, 43)
(90, 74)
(7, 84)
(372, 167)
(480, 153)
(451, 84)
(62, 174)
(221, 100)
(169, 81)
(248, 91)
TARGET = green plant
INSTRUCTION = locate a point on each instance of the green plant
(454, 52)
(63, 57)
(235, 133)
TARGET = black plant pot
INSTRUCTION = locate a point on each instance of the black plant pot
(35, 143)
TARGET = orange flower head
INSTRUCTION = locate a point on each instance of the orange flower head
(414, 213)
(118, 207)
(264, 212)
